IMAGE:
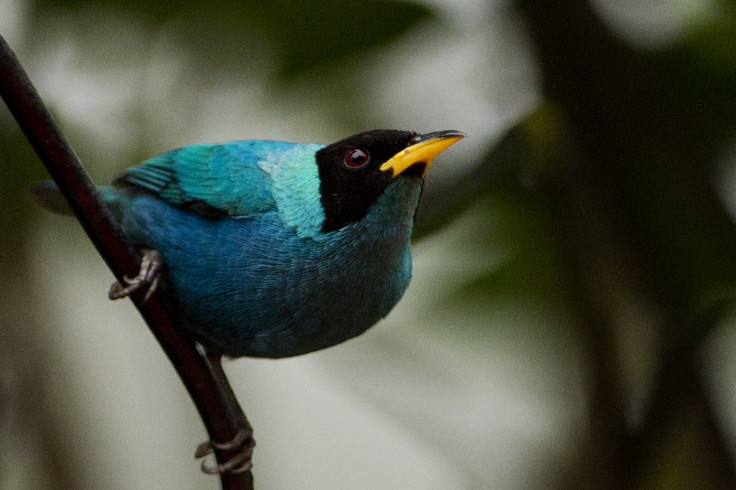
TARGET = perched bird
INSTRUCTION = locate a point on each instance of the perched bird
(277, 249)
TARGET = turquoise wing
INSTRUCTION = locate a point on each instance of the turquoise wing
(226, 179)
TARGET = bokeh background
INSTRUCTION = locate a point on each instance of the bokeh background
(571, 319)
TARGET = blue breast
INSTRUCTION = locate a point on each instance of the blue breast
(253, 286)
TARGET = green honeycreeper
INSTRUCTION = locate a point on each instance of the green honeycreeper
(276, 249)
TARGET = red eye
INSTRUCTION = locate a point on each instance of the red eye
(356, 158)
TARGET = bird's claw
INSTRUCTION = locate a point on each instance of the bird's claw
(148, 276)
(241, 463)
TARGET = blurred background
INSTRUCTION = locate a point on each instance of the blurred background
(571, 321)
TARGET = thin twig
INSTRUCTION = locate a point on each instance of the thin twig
(220, 418)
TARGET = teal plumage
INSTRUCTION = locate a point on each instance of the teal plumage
(276, 249)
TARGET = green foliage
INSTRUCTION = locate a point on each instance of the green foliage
(308, 35)
(600, 203)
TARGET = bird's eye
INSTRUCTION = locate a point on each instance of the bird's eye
(356, 158)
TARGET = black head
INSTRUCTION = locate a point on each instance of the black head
(350, 175)
(354, 171)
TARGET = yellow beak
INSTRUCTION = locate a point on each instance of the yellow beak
(424, 149)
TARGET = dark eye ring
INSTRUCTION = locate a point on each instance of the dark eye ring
(356, 158)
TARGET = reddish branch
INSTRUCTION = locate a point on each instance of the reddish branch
(205, 381)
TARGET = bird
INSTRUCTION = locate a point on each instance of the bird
(275, 249)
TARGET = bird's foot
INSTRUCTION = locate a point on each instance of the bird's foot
(148, 277)
(239, 464)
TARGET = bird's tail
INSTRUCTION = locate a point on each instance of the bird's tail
(48, 196)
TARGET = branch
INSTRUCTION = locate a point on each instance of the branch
(204, 380)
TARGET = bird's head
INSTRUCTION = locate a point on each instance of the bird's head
(356, 170)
